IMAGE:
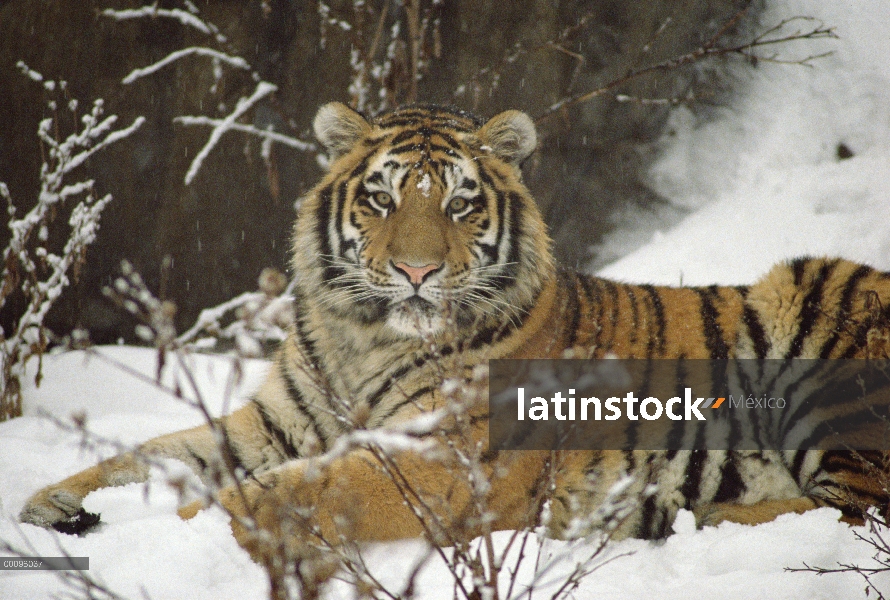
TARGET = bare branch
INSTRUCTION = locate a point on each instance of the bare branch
(707, 50)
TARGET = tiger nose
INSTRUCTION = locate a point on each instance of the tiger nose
(416, 275)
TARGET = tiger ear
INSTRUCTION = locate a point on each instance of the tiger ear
(510, 135)
(339, 128)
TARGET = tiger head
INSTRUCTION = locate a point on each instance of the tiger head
(422, 223)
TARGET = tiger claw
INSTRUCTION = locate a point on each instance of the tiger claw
(82, 522)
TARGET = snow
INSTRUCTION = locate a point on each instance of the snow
(144, 548)
(763, 182)
(764, 179)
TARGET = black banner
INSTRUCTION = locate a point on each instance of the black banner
(742, 404)
(44, 563)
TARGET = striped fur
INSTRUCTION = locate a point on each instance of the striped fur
(419, 256)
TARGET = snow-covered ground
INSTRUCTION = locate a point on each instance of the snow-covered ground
(144, 550)
(764, 179)
(764, 182)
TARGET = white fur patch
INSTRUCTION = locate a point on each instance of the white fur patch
(424, 185)
(412, 323)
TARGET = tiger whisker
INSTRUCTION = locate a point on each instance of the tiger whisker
(473, 299)
(484, 268)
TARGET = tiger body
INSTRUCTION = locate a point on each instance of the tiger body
(419, 257)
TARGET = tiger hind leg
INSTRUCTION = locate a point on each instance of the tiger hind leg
(711, 514)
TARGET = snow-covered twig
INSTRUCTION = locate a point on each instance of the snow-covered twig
(261, 133)
(190, 18)
(233, 61)
(29, 265)
(187, 18)
(255, 317)
(263, 89)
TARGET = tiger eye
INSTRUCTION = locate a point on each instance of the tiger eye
(383, 199)
(458, 204)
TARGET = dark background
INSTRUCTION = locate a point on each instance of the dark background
(236, 216)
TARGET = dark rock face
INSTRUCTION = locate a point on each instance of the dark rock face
(235, 218)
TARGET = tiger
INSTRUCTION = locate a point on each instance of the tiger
(419, 257)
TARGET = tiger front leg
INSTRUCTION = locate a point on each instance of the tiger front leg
(60, 506)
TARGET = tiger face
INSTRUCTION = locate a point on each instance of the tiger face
(422, 223)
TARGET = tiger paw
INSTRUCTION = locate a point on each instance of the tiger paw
(59, 509)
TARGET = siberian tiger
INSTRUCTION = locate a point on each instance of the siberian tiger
(420, 256)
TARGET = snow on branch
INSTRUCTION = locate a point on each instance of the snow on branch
(234, 61)
(253, 317)
(93, 129)
(190, 19)
(262, 133)
(263, 89)
(387, 441)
